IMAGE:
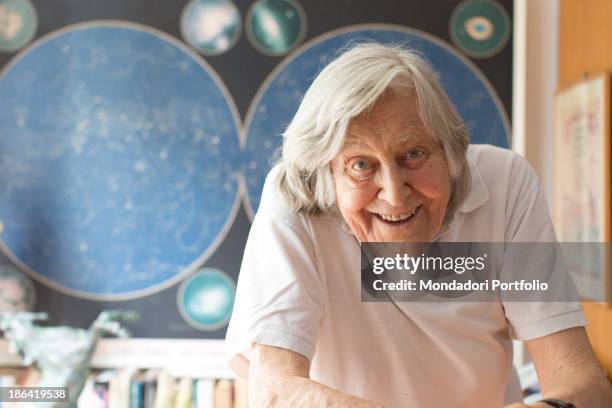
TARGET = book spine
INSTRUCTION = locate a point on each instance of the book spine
(136, 394)
(206, 393)
(224, 394)
(150, 392)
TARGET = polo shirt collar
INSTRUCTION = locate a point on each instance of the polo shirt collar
(479, 193)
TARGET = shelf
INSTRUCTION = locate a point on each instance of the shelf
(202, 358)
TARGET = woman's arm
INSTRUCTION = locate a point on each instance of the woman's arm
(568, 370)
(280, 378)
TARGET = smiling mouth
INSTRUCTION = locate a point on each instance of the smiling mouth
(398, 219)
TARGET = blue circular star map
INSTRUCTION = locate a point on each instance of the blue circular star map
(278, 98)
(117, 154)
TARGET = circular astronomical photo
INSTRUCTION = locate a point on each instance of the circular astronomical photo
(480, 28)
(212, 27)
(18, 24)
(275, 27)
(205, 299)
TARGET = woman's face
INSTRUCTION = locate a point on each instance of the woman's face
(392, 183)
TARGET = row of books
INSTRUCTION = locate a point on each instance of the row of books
(134, 388)
(137, 388)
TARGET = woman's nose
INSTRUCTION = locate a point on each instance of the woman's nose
(394, 187)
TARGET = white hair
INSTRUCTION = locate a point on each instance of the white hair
(345, 88)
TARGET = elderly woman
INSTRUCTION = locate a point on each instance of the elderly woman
(377, 153)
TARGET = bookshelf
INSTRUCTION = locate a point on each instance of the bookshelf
(147, 373)
(194, 358)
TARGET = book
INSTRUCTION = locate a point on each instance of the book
(205, 393)
(137, 390)
(89, 398)
(183, 394)
(241, 393)
(150, 387)
(119, 388)
(166, 390)
(224, 390)
(100, 387)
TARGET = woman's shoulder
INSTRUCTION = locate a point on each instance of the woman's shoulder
(273, 205)
(274, 208)
(489, 155)
(496, 165)
(271, 198)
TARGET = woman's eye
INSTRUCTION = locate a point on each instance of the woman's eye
(415, 154)
(415, 158)
(361, 165)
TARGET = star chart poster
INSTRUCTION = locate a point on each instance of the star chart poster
(135, 136)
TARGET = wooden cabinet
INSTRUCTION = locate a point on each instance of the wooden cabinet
(585, 46)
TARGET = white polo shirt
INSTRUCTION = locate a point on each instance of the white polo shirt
(299, 288)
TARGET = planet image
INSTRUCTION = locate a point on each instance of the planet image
(118, 157)
(205, 299)
(274, 27)
(211, 26)
(277, 100)
(480, 28)
(18, 24)
(16, 290)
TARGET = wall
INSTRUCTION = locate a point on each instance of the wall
(535, 80)
(585, 46)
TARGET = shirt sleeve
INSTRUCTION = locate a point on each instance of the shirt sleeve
(279, 296)
(528, 221)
